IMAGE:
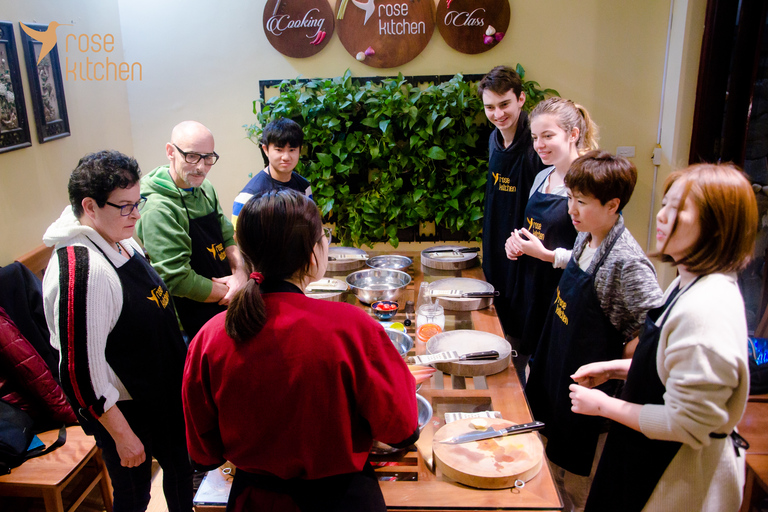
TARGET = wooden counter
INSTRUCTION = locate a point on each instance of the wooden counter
(407, 479)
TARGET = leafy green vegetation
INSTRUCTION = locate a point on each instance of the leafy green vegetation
(388, 156)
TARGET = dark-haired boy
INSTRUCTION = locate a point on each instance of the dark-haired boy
(281, 141)
(512, 166)
(601, 301)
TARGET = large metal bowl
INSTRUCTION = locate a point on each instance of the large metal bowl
(424, 409)
(390, 261)
(378, 284)
(402, 342)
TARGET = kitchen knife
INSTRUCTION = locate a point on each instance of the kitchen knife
(460, 250)
(452, 355)
(491, 433)
(462, 295)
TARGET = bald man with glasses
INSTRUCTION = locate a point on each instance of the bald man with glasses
(189, 240)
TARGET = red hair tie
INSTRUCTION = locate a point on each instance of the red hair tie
(258, 277)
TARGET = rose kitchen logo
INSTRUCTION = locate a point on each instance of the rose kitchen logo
(90, 70)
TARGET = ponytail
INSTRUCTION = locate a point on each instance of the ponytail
(588, 134)
(246, 314)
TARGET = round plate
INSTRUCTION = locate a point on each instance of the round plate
(491, 463)
(464, 284)
(448, 261)
(327, 284)
(467, 342)
(340, 265)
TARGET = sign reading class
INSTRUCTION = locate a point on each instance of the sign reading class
(385, 33)
(473, 26)
(298, 28)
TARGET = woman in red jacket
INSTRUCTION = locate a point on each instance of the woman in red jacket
(293, 390)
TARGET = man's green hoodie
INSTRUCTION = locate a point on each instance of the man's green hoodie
(164, 230)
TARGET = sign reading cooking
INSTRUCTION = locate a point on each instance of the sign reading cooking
(298, 28)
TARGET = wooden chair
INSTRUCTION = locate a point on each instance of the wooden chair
(49, 475)
(36, 260)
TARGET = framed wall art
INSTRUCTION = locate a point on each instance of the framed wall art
(46, 86)
(14, 126)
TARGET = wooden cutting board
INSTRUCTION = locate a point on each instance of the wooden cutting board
(343, 265)
(465, 341)
(464, 284)
(448, 261)
(491, 463)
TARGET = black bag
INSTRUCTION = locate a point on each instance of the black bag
(758, 365)
(16, 433)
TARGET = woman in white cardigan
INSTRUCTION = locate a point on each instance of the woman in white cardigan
(673, 446)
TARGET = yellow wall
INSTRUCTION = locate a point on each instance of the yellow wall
(33, 180)
(203, 60)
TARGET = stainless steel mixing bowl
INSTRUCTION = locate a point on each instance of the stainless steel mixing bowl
(378, 284)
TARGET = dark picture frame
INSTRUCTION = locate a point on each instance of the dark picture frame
(46, 87)
(14, 125)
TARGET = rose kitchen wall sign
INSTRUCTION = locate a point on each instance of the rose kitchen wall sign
(385, 33)
(472, 26)
(298, 28)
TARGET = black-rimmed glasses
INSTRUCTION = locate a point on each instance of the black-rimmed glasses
(127, 209)
(192, 157)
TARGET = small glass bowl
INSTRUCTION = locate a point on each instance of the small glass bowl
(384, 309)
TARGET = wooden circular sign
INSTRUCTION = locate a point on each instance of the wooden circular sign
(298, 28)
(385, 33)
(473, 26)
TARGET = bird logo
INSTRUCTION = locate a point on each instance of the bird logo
(48, 38)
(367, 6)
(495, 177)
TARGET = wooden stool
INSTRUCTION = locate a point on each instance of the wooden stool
(47, 476)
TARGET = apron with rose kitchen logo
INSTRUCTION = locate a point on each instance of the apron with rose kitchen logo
(576, 332)
(546, 217)
(208, 259)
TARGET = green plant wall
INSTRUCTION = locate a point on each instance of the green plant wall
(388, 156)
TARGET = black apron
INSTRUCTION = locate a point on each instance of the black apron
(576, 332)
(145, 348)
(632, 464)
(546, 216)
(351, 492)
(208, 259)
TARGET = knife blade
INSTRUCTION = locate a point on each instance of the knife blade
(460, 250)
(491, 433)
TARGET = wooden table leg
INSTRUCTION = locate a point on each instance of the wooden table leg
(53, 501)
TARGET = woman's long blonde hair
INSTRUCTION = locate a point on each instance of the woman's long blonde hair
(569, 115)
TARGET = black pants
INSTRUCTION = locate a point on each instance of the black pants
(165, 440)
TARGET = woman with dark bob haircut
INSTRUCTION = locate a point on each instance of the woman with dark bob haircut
(110, 316)
(293, 390)
(673, 446)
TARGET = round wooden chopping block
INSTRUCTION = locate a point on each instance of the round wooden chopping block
(467, 342)
(491, 463)
(342, 265)
(464, 284)
(448, 261)
(327, 283)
